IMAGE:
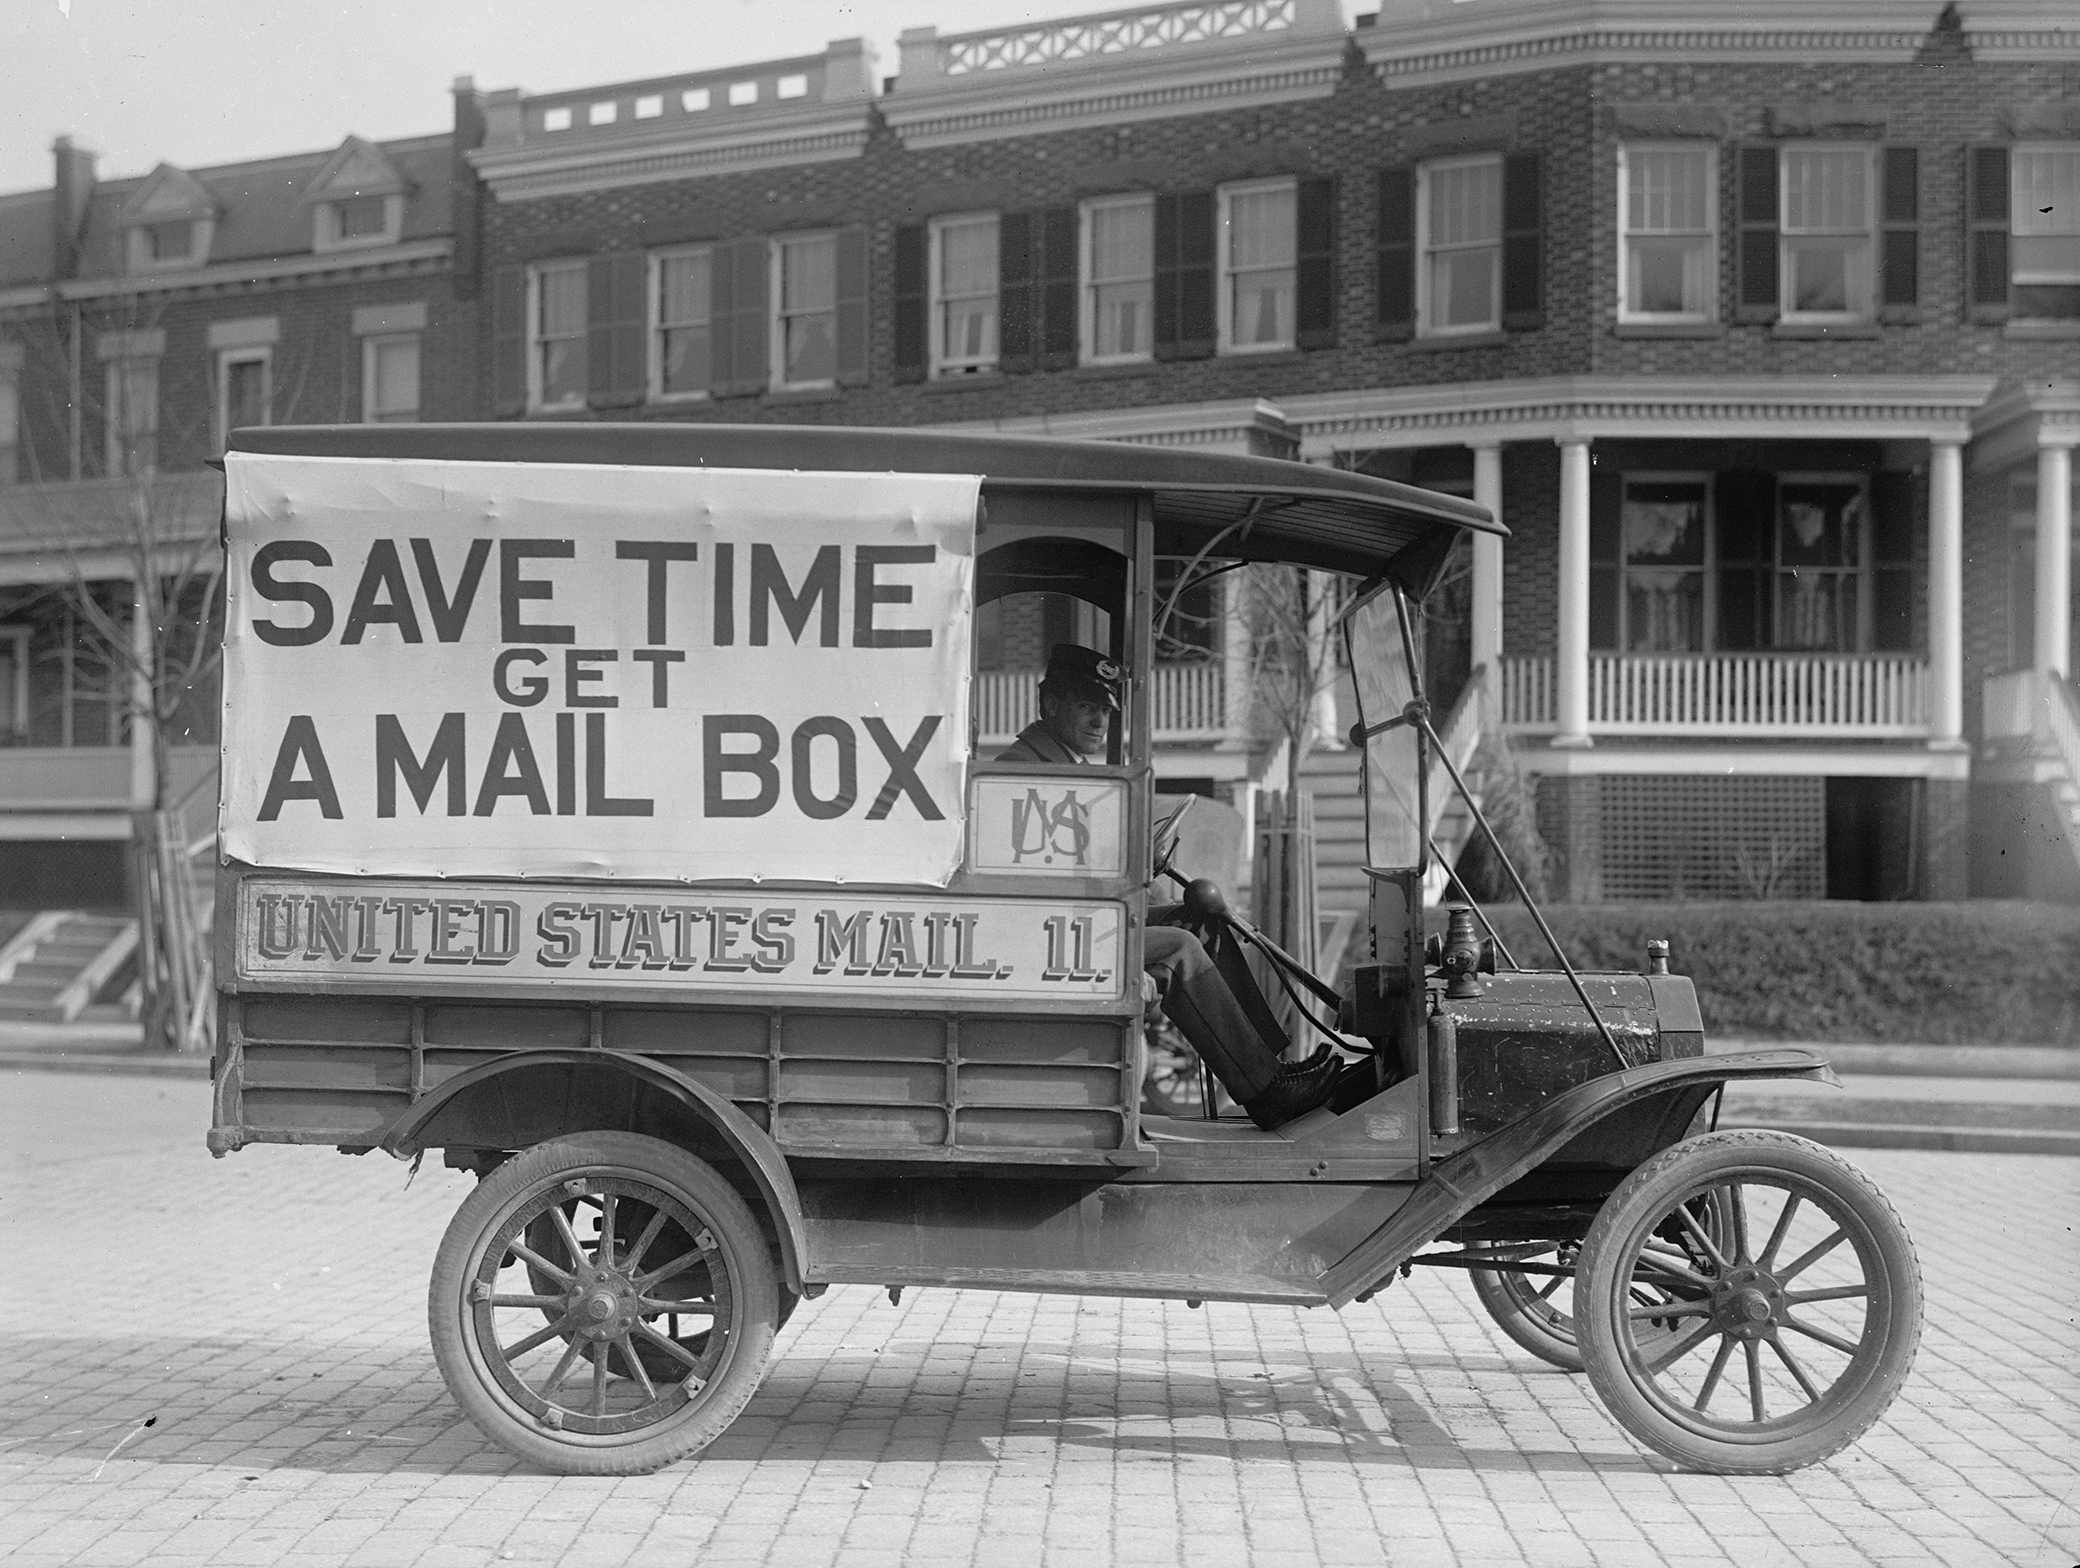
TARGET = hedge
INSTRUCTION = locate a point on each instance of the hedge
(1939, 974)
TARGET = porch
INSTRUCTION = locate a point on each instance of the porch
(1194, 704)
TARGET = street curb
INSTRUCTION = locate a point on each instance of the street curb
(1924, 1061)
(1948, 1140)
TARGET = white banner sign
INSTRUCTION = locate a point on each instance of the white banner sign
(531, 669)
(426, 934)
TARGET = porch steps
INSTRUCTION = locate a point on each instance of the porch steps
(52, 967)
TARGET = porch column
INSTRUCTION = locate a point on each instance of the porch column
(2054, 558)
(1946, 594)
(1487, 563)
(1571, 666)
(1235, 645)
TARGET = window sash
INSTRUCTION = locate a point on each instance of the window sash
(1259, 252)
(1459, 211)
(362, 217)
(2045, 215)
(1119, 279)
(1826, 212)
(132, 417)
(806, 309)
(242, 392)
(1668, 207)
(558, 327)
(390, 371)
(683, 327)
(965, 268)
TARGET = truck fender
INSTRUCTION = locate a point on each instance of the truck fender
(745, 1138)
(1456, 1185)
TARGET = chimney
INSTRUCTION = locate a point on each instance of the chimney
(72, 187)
(464, 191)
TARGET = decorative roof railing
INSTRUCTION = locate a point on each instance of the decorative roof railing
(1108, 34)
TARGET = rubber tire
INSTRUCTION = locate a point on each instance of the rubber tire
(753, 1278)
(1508, 1305)
(1648, 1193)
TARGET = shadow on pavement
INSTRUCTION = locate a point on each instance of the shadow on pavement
(256, 1406)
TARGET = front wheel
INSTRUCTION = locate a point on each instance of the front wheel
(618, 1343)
(1764, 1342)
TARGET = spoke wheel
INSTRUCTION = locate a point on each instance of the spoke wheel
(1535, 1310)
(603, 1304)
(1769, 1340)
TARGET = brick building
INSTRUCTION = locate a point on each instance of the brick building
(1761, 331)
(139, 320)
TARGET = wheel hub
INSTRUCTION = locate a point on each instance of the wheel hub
(604, 1307)
(1747, 1303)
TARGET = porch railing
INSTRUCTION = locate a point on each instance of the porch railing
(1190, 701)
(1870, 696)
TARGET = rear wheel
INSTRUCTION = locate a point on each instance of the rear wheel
(603, 1304)
(1769, 1341)
(1535, 1310)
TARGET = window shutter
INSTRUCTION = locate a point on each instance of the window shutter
(852, 307)
(508, 340)
(1900, 225)
(1396, 283)
(1056, 287)
(747, 327)
(616, 375)
(1018, 296)
(1986, 237)
(911, 253)
(1314, 292)
(1606, 515)
(1523, 244)
(1184, 315)
(1744, 504)
(1758, 235)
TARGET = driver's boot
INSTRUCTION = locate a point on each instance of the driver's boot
(1296, 1091)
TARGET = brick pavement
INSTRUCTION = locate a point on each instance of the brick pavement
(268, 1310)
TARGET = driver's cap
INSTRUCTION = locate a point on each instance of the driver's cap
(1073, 668)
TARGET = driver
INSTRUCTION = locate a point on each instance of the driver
(1216, 1006)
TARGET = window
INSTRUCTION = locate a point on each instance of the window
(131, 417)
(1669, 203)
(362, 217)
(805, 322)
(10, 413)
(1826, 222)
(243, 392)
(169, 241)
(556, 335)
(1119, 269)
(964, 270)
(2045, 205)
(14, 685)
(1695, 563)
(1459, 236)
(1258, 256)
(682, 358)
(390, 379)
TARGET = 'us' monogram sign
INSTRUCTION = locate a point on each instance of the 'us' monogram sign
(1053, 826)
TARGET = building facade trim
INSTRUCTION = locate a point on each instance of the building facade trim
(411, 256)
(515, 174)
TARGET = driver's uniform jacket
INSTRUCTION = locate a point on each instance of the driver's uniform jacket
(1037, 743)
(1239, 1041)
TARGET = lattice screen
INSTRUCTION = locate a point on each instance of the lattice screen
(1705, 837)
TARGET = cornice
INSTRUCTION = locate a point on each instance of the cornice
(2014, 426)
(1588, 407)
(820, 135)
(1397, 61)
(410, 257)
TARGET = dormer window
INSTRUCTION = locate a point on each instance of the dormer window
(356, 199)
(168, 222)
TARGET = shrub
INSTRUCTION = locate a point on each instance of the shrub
(1983, 972)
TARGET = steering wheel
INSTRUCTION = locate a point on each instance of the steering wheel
(1165, 838)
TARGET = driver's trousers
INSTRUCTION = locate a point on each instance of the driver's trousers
(1214, 1001)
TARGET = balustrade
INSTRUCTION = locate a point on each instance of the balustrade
(1867, 696)
(1190, 703)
